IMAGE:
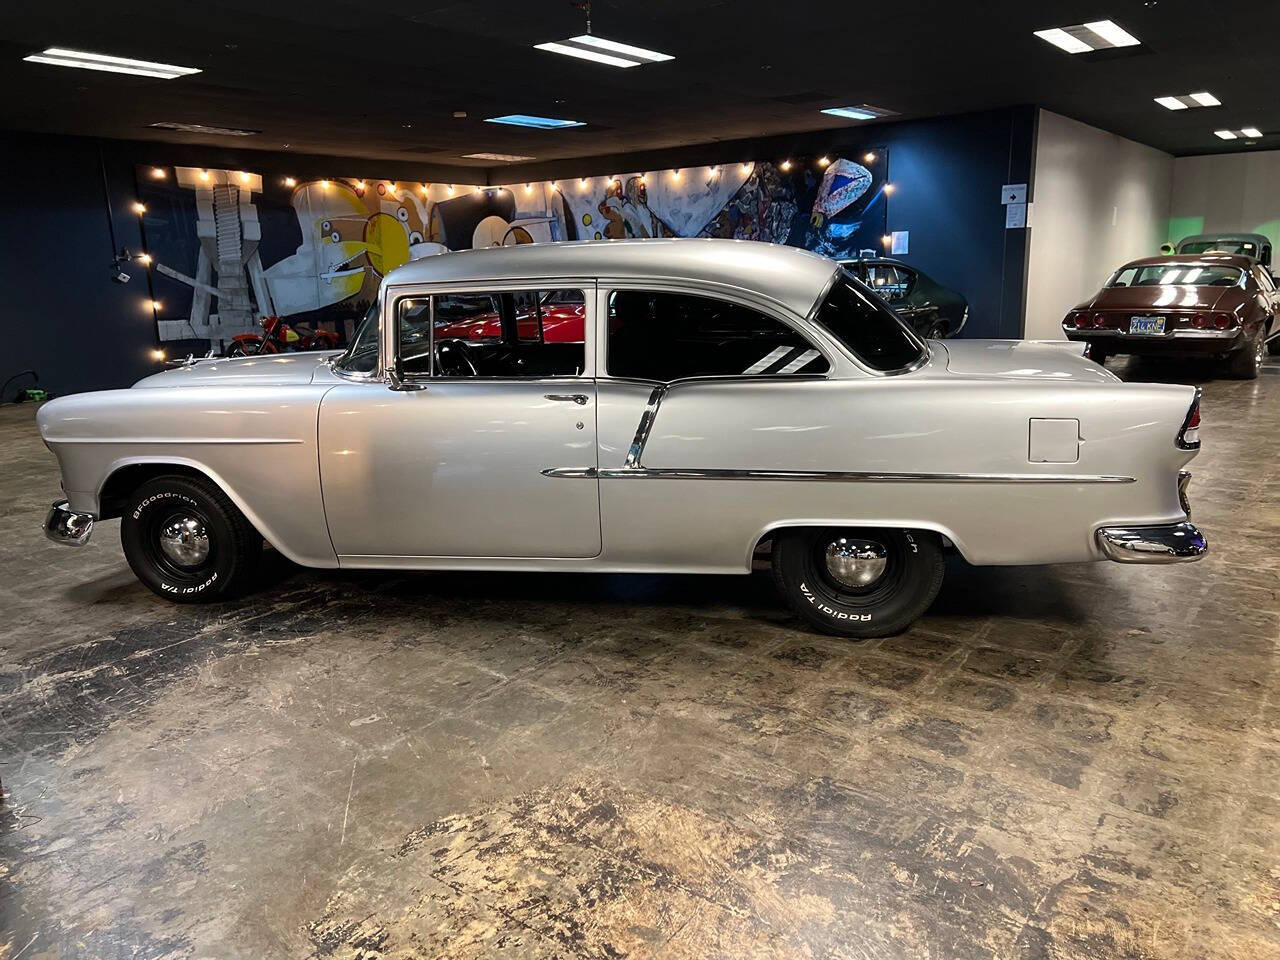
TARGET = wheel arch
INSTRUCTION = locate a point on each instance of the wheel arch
(771, 531)
(128, 473)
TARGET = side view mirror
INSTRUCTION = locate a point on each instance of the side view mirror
(398, 383)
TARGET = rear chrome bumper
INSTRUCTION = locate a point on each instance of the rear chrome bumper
(63, 525)
(1167, 543)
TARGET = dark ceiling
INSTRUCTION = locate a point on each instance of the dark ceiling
(383, 80)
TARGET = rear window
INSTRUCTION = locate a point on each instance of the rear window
(1246, 247)
(1181, 274)
(869, 330)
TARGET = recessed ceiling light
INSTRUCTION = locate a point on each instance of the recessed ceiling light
(1088, 37)
(83, 60)
(1224, 134)
(504, 157)
(1251, 131)
(600, 50)
(202, 128)
(861, 111)
(538, 123)
(1185, 100)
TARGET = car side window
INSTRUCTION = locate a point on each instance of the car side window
(1264, 279)
(890, 282)
(503, 334)
(671, 336)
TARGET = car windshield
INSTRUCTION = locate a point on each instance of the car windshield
(869, 330)
(362, 355)
(1246, 247)
(1181, 274)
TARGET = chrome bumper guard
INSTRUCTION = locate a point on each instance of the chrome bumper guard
(63, 525)
(1167, 543)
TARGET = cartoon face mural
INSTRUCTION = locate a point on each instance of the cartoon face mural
(352, 236)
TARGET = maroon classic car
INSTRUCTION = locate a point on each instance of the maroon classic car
(1196, 305)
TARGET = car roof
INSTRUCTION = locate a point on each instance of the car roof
(1226, 259)
(889, 260)
(790, 276)
(1257, 238)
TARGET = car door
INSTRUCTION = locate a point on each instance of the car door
(451, 464)
(697, 382)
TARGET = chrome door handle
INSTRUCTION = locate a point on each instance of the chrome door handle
(579, 398)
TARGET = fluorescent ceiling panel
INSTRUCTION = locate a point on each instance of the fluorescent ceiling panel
(1225, 134)
(1088, 37)
(203, 128)
(538, 123)
(1251, 132)
(1171, 103)
(504, 157)
(83, 60)
(1206, 99)
(860, 111)
(600, 50)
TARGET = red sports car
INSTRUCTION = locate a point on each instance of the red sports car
(1196, 305)
(560, 317)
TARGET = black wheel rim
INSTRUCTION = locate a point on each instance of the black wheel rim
(879, 590)
(186, 563)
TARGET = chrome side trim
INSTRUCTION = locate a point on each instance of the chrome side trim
(646, 424)
(186, 441)
(1184, 480)
(1167, 543)
(822, 476)
(64, 526)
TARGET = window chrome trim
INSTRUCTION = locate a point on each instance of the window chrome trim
(926, 354)
(821, 476)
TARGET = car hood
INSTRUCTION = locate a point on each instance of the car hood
(1056, 360)
(1156, 297)
(268, 370)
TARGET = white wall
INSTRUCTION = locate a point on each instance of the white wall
(1234, 191)
(1099, 200)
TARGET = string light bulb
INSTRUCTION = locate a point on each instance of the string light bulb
(157, 354)
(746, 168)
(869, 158)
(204, 175)
(244, 177)
(785, 165)
(888, 188)
(823, 161)
(324, 184)
(528, 188)
(644, 179)
(886, 239)
(157, 173)
(451, 189)
(675, 174)
(359, 184)
(391, 189)
(139, 207)
(144, 259)
(554, 185)
(290, 182)
(425, 188)
(154, 304)
(582, 185)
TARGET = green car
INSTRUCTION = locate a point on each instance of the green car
(932, 310)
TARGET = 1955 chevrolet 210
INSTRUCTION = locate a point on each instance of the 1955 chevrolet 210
(721, 394)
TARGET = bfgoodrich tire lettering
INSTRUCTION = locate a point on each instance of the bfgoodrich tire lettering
(911, 574)
(187, 542)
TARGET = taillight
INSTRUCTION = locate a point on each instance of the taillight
(1221, 321)
(1189, 435)
(1199, 321)
(1099, 319)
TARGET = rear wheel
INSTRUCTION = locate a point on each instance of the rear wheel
(937, 330)
(186, 541)
(1246, 362)
(858, 582)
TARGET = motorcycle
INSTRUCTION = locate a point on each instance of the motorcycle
(279, 337)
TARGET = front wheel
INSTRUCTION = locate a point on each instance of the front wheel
(186, 541)
(858, 582)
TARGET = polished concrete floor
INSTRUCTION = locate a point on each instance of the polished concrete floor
(1074, 761)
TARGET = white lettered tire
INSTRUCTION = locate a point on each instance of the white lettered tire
(858, 582)
(187, 541)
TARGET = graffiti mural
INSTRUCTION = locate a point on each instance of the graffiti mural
(231, 247)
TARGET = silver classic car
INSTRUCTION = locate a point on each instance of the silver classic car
(635, 406)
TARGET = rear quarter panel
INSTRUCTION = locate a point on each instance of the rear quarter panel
(257, 443)
(944, 426)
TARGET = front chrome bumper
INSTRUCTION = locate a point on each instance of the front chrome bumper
(63, 525)
(1166, 543)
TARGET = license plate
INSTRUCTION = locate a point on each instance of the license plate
(1147, 326)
